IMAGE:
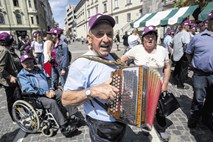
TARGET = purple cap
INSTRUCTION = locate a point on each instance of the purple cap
(211, 15)
(25, 57)
(5, 36)
(149, 29)
(36, 34)
(171, 32)
(202, 24)
(99, 17)
(186, 23)
(54, 31)
(193, 27)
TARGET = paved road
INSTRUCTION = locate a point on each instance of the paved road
(177, 122)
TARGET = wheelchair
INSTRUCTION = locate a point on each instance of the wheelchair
(32, 117)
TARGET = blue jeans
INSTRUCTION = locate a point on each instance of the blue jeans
(202, 100)
(58, 80)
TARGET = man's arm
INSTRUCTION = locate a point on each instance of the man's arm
(104, 91)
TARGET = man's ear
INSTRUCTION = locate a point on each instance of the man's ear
(89, 39)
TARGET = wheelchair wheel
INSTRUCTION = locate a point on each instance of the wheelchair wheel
(25, 116)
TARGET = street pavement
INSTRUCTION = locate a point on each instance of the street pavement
(177, 121)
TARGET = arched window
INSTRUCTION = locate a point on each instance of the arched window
(2, 19)
(18, 19)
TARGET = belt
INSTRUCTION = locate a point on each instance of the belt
(200, 72)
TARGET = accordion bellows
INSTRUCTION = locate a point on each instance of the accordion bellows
(137, 99)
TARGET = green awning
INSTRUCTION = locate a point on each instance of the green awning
(167, 17)
(205, 12)
(178, 15)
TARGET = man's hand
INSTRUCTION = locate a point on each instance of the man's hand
(13, 79)
(63, 72)
(104, 91)
(50, 94)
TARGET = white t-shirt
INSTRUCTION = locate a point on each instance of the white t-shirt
(155, 60)
(133, 40)
(46, 56)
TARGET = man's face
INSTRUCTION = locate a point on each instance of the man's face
(101, 37)
(28, 64)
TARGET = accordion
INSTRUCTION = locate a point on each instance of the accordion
(137, 99)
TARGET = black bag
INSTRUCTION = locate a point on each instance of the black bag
(167, 103)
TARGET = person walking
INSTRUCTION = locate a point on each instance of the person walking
(125, 41)
(156, 57)
(181, 40)
(168, 42)
(200, 51)
(117, 37)
(89, 79)
(60, 57)
(9, 68)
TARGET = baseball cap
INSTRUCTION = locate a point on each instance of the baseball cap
(5, 38)
(36, 34)
(186, 23)
(54, 31)
(25, 57)
(171, 32)
(149, 29)
(100, 17)
(211, 15)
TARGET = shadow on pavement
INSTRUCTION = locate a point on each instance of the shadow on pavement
(8, 137)
(131, 136)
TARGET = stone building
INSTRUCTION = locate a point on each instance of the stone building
(23, 17)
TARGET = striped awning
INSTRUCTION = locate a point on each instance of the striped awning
(168, 17)
(205, 12)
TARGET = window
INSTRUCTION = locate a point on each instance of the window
(128, 17)
(116, 19)
(105, 7)
(2, 19)
(32, 20)
(35, 3)
(88, 12)
(128, 1)
(29, 3)
(15, 3)
(115, 4)
(18, 19)
(96, 8)
(37, 19)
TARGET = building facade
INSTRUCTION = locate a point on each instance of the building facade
(23, 17)
(70, 23)
(123, 11)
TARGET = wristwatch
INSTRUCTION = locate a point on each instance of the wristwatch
(88, 93)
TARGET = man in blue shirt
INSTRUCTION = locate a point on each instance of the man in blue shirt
(89, 79)
(34, 80)
(201, 51)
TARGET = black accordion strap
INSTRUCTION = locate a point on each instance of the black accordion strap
(104, 106)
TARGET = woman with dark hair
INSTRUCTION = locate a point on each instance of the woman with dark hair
(9, 68)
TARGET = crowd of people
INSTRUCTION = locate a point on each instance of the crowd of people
(44, 69)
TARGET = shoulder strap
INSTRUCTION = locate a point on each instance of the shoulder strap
(117, 61)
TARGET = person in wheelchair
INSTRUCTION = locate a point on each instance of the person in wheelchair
(34, 80)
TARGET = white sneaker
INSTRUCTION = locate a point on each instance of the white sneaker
(164, 136)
